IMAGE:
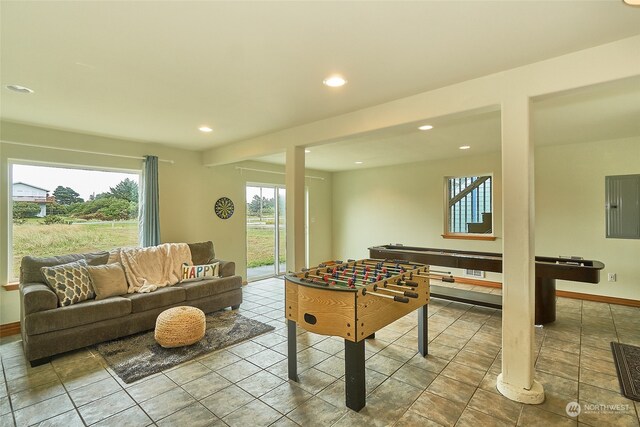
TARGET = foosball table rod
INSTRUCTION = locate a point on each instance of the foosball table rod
(408, 294)
(396, 298)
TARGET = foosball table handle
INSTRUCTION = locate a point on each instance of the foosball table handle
(398, 298)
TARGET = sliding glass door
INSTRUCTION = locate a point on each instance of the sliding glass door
(266, 231)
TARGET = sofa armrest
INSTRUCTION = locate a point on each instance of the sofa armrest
(227, 268)
(37, 297)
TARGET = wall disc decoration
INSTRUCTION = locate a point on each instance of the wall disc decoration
(224, 208)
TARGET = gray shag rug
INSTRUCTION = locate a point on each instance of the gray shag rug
(138, 356)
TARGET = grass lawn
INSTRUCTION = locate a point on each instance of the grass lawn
(260, 246)
(36, 239)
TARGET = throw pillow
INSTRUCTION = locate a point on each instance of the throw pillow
(202, 253)
(199, 272)
(108, 280)
(71, 282)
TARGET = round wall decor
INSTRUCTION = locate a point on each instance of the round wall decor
(224, 208)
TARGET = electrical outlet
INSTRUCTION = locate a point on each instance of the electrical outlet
(611, 277)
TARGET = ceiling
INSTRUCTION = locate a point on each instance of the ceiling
(156, 71)
(596, 113)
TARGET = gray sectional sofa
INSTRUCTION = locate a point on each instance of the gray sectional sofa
(48, 329)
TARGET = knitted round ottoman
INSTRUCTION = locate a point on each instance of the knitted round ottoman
(180, 326)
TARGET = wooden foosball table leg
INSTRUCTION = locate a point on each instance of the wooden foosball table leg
(423, 330)
(291, 350)
(355, 387)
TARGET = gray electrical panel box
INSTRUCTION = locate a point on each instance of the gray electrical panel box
(623, 206)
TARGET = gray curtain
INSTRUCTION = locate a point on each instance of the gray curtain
(149, 203)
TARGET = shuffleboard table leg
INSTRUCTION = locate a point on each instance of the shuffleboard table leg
(355, 387)
(423, 330)
(292, 356)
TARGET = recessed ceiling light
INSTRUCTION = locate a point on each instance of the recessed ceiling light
(19, 89)
(205, 129)
(464, 147)
(307, 151)
(425, 127)
(358, 163)
(632, 2)
(334, 81)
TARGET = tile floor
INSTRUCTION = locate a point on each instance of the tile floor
(246, 385)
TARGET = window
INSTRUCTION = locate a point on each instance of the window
(59, 211)
(469, 206)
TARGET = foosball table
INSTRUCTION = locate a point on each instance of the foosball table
(353, 300)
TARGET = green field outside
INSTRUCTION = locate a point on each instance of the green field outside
(37, 239)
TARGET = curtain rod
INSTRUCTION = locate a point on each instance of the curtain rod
(81, 151)
(240, 168)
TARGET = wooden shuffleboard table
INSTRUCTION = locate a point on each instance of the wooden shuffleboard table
(353, 300)
(547, 270)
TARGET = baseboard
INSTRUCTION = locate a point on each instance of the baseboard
(564, 294)
(599, 298)
(9, 329)
(476, 282)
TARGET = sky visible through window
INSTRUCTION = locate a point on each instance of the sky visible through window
(83, 181)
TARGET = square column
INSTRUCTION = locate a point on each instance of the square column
(294, 182)
(516, 381)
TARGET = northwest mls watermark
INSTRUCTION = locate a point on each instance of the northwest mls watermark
(574, 409)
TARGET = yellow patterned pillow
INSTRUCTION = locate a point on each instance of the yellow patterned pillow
(71, 282)
(199, 272)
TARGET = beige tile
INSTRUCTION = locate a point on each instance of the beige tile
(206, 385)
(464, 373)
(219, 359)
(495, 405)
(288, 396)
(473, 418)
(260, 383)
(533, 416)
(194, 415)
(255, 413)
(187, 372)
(415, 376)
(227, 400)
(384, 365)
(167, 403)
(438, 409)
(34, 395)
(132, 417)
(598, 379)
(42, 410)
(430, 363)
(66, 419)
(105, 407)
(451, 389)
(316, 412)
(94, 391)
(474, 360)
(412, 419)
(313, 380)
(238, 370)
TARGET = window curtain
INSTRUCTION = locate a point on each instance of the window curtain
(149, 203)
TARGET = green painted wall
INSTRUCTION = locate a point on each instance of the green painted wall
(405, 204)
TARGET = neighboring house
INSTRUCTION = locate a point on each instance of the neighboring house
(29, 193)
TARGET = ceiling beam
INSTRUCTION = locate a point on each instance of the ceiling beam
(608, 62)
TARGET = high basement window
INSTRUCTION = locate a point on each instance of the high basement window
(468, 201)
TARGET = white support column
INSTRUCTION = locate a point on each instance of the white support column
(516, 381)
(294, 181)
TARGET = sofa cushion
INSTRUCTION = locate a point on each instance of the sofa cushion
(191, 273)
(202, 253)
(82, 313)
(210, 287)
(71, 282)
(161, 297)
(30, 266)
(108, 280)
